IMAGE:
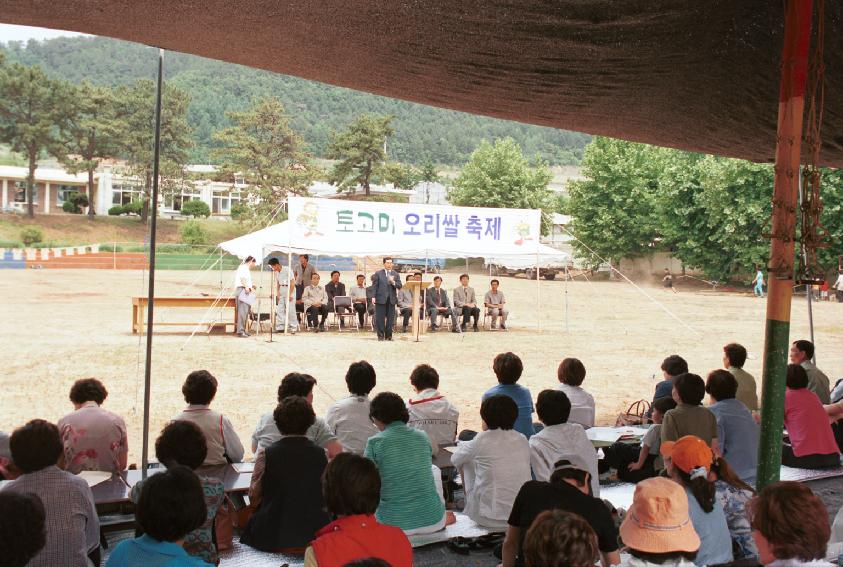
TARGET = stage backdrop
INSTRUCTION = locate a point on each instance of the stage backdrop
(333, 224)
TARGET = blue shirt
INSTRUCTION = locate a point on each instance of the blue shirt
(737, 436)
(147, 552)
(524, 401)
(715, 540)
(664, 389)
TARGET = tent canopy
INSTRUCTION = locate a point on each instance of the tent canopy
(700, 76)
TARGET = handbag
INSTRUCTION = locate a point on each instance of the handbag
(636, 414)
(224, 523)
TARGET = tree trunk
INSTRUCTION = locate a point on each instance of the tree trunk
(91, 194)
(30, 186)
(147, 192)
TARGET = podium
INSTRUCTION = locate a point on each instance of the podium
(418, 310)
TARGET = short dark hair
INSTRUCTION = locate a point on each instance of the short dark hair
(367, 562)
(437, 278)
(797, 378)
(690, 387)
(495, 281)
(171, 504)
(22, 533)
(388, 407)
(351, 485)
(249, 259)
(721, 385)
(805, 346)
(334, 272)
(296, 384)
(674, 365)
(35, 446)
(199, 388)
(571, 371)
(360, 378)
(463, 276)
(409, 277)
(88, 390)
(664, 404)
(499, 412)
(508, 367)
(181, 443)
(360, 276)
(558, 537)
(736, 354)
(273, 262)
(294, 415)
(387, 259)
(578, 475)
(424, 376)
(305, 256)
(553, 407)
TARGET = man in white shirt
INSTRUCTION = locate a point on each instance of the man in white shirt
(571, 373)
(838, 286)
(348, 418)
(429, 410)
(315, 303)
(242, 287)
(286, 303)
(560, 439)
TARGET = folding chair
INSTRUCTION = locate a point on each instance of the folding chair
(340, 317)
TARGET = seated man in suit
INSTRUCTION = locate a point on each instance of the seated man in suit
(436, 303)
(359, 298)
(405, 305)
(335, 288)
(495, 304)
(315, 302)
(466, 302)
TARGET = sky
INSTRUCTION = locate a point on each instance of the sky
(10, 32)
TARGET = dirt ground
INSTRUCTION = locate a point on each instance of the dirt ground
(60, 325)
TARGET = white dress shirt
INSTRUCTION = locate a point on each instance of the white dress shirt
(243, 277)
(348, 419)
(582, 405)
(562, 441)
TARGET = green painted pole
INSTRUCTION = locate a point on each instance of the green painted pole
(794, 70)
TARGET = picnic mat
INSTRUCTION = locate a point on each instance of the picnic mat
(805, 475)
(464, 526)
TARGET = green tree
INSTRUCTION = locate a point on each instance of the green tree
(196, 209)
(30, 115)
(261, 146)
(402, 175)
(89, 133)
(832, 218)
(428, 172)
(135, 128)
(360, 151)
(498, 175)
(614, 207)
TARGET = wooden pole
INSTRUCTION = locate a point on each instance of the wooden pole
(794, 68)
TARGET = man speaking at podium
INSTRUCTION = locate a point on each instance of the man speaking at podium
(387, 282)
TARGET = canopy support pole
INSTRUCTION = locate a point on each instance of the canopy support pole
(273, 301)
(794, 67)
(290, 283)
(153, 225)
(538, 294)
(566, 299)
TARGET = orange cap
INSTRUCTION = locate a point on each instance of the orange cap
(658, 520)
(689, 453)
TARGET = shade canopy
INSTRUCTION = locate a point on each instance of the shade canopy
(701, 76)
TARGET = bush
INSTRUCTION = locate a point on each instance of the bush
(196, 209)
(74, 203)
(30, 235)
(117, 210)
(133, 208)
(239, 211)
(193, 233)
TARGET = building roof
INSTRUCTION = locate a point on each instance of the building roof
(44, 174)
(700, 76)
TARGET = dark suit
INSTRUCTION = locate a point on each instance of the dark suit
(435, 298)
(385, 295)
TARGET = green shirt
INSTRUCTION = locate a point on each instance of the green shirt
(747, 390)
(409, 499)
(686, 419)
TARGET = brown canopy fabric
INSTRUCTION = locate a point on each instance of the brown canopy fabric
(690, 74)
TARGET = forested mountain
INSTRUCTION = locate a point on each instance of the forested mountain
(421, 132)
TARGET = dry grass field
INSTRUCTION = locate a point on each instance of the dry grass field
(60, 325)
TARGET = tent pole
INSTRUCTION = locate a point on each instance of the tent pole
(287, 298)
(273, 304)
(538, 294)
(794, 67)
(566, 299)
(220, 270)
(153, 225)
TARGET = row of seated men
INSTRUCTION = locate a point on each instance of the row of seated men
(315, 301)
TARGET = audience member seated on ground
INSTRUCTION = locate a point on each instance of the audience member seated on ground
(224, 445)
(410, 498)
(286, 486)
(495, 304)
(465, 302)
(315, 301)
(429, 410)
(834, 411)
(657, 528)
(508, 368)
(801, 353)
(351, 489)
(436, 304)
(266, 433)
(632, 463)
(560, 439)
(171, 505)
(22, 533)
(672, 366)
(811, 443)
(348, 418)
(733, 494)
(737, 431)
(405, 304)
(182, 443)
(734, 357)
(571, 373)
(689, 462)
(94, 438)
(494, 465)
(790, 525)
(689, 417)
(73, 528)
(568, 490)
(560, 538)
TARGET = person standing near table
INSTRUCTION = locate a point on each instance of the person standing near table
(285, 304)
(386, 284)
(242, 286)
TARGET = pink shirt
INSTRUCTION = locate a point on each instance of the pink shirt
(94, 439)
(807, 424)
